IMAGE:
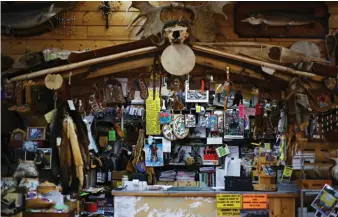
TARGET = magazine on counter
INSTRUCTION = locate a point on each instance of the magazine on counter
(326, 202)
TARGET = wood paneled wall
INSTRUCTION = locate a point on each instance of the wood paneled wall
(89, 31)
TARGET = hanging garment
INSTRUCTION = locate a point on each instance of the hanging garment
(71, 141)
(88, 121)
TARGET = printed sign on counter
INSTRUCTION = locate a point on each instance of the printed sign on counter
(228, 212)
(287, 173)
(255, 201)
(229, 201)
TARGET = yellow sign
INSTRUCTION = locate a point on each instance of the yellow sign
(49, 116)
(228, 212)
(229, 201)
(287, 173)
(153, 107)
(255, 201)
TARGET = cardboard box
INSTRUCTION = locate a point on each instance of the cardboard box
(117, 175)
(173, 183)
(116, 183)
(187, 184)
(315, 184)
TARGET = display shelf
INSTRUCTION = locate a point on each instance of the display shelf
(192, 165)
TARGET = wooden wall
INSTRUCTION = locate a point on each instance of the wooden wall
(90, 32)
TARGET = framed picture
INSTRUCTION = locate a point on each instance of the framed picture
(190, 120)
(30, 146)
(233, 125)
(198, 132)
(154, 155)
(196, 95)
(326, 201)
(36, 133)
(18, 134)
(43, 158)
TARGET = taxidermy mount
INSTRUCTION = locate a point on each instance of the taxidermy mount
(202, 25)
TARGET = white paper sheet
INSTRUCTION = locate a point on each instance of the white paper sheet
(166, 145)
(55, 196)
(124, 206)
(220, 173)
(234, 152)
(233, 167)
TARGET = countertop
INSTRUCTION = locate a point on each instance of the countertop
(271, 194)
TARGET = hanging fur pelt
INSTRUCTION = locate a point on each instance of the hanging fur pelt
(82, 135)
(71, 135)
(71, 158)
(55, 132)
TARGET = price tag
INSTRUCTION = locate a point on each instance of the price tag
(241, 111)
(198, 109)
(58, 141)
(255, 201)
(267, 146)
(229, 201)
(49, 116)
(250, 111)
(112, 135)
(71, 105)
(222, 151)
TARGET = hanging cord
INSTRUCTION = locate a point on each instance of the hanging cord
(155, 69)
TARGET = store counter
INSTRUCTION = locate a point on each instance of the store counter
(191, 203)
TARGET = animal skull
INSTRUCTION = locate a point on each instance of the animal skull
(202, 25)
(176, 34)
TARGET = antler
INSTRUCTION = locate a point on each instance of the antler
(204, 28)
(153, 25)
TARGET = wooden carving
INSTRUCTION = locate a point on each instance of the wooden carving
(202, 26)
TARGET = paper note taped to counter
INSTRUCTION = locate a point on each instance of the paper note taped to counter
(124, 206)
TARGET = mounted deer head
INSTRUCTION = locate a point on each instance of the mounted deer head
(202, 26)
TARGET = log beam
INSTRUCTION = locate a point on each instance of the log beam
(73, 66)
(256, 62)
(123, 66)
(217, 64)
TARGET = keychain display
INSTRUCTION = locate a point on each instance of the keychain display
(180, 130)
(134, 111)
(190, 120)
